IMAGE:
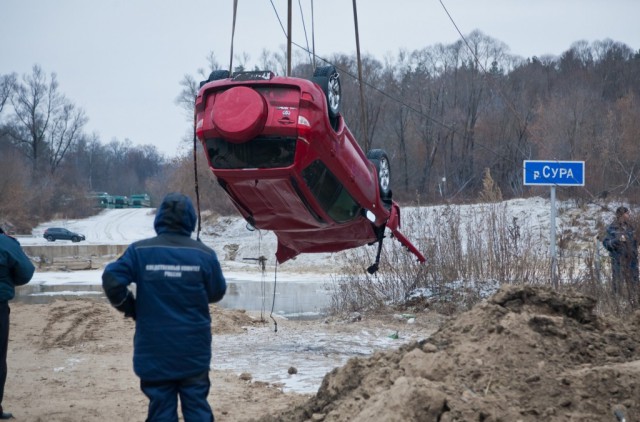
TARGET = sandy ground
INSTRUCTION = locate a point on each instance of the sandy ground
(71, 360)
(525, 354)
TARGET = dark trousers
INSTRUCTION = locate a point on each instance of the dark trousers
(163, 399)
(4, 343)
(624, 276)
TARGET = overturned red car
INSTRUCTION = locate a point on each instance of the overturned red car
(281, 150)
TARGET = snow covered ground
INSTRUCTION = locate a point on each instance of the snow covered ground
(110, 227)
(237, 247)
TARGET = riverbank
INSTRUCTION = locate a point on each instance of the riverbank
(71, 360)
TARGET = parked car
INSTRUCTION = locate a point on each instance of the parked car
(281, 150)
(58, 233)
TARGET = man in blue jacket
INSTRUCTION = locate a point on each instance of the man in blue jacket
(176, 278)
(15, 270)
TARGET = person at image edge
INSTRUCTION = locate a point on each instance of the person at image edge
(15, 270)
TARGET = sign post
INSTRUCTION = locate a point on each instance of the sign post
(553, 173)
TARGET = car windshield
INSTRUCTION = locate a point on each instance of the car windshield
(262, 152)
(330, 193)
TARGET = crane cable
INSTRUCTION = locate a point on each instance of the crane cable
(261, 259)
(522, 122)
(195, 175)
(312, 52)
(363, 106)
(195, 140)
(304, 28)
(233, 32)
(289, 23)
(313, 36)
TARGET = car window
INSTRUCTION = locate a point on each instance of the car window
(262, 152)
(330, 193)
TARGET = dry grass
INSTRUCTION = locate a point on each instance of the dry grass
(468, 257)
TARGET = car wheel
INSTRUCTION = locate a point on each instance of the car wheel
(75, 239)
(380, 160)
(217, 75)
(328, 79)
(50, 238)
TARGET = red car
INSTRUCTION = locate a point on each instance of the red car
(281, 150)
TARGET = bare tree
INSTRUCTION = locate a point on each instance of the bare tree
(429, 89)
(7, 84)
(190, 85)
(619, 150)
(398, 124)
(45, 123)
(66, 130)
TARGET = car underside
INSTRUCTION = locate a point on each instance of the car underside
(281, 150)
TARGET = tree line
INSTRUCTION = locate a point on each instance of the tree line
(449, 116)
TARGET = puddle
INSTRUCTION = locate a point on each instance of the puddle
(313, 351)
(292, 299)
(38, 294)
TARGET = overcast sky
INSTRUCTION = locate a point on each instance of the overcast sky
(122, 60)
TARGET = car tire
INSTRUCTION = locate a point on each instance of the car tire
(75, 239)
(217, 75)
(328, 79)
(50, 239)
(380, 160)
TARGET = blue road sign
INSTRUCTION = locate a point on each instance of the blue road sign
(553, 173)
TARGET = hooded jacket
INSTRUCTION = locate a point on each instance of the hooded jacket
(15, 267)
(176, 278)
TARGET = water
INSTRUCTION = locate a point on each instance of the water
(315, 350)
(293, 299)
(37, 294)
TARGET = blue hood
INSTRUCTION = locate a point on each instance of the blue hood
(175, 215)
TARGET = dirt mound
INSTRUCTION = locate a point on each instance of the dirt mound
(227, 321)
(526, 354)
